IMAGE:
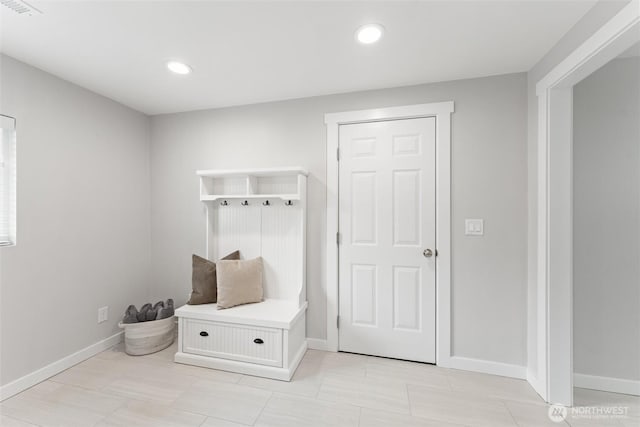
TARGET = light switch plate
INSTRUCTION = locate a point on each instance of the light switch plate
(474, 227)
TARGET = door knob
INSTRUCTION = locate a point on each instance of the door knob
(428, 253)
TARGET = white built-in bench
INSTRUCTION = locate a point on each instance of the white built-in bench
(261, 213)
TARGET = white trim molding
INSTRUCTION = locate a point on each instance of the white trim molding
(488, 367)
(554, 293)
(42, 374)
(614, 385)
(442, 112)
(317, 344)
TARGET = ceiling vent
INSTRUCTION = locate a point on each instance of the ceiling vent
(20, 7)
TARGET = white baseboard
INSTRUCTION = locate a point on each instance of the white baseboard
(486, 367)
(29, 380)
(317, 344)
(455, 362)
(614, 385)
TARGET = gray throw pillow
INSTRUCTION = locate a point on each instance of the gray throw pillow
(203, 279)
(239, 282)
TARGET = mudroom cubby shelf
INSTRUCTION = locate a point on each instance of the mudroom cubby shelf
(260, 212)
(281, 183)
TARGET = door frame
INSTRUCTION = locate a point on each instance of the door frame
(442, 112)
(553, 378)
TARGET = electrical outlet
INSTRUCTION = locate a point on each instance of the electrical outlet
(103, 314)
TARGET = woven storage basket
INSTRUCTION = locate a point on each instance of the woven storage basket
(148, 337)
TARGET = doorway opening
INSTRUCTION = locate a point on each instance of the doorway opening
(553, 378)
(606, 217)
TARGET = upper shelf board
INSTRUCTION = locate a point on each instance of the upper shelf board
(215, 173)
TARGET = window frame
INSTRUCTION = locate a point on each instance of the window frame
(8, 172)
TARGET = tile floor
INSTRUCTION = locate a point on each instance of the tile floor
(329, 389)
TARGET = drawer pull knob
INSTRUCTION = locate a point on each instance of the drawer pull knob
(258, 341)
(204, 334)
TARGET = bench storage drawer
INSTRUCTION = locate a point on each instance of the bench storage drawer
(243, 343)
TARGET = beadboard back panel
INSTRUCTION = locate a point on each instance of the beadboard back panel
(260, 215)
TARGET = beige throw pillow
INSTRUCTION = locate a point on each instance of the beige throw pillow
(239, 282)
(203, 279)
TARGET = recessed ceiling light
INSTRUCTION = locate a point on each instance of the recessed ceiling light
(369, 33)
(178, 67)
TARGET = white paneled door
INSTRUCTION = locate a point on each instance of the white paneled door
(387, 239)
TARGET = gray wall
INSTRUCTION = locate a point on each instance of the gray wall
(83, 218)
(606, 214)
(489, 180)
(589, 24)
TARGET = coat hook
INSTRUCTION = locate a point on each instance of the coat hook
(266, 203)
(245, 203)
(224, 203)
(288, 203)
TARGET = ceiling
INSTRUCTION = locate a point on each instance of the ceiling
(249, 52)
